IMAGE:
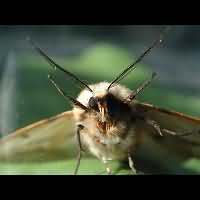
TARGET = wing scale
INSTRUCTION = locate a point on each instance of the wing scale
(43, 140)
(168, 148)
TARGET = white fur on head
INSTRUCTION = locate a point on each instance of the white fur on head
(100, 89)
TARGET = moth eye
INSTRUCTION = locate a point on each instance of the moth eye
(93, 104)
(113, 106)
(80, 126)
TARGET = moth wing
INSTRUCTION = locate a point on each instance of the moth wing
(46, 139)
(166, 147)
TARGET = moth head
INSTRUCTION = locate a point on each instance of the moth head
(103, 103)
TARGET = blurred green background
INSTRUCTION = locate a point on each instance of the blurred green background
(93, 53)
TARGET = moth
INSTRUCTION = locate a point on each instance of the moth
(110, 123)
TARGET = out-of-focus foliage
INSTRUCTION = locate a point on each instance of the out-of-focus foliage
(88, 166)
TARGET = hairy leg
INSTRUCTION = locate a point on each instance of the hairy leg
(80, 149)
(131, 164)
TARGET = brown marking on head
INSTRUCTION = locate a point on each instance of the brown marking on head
(102, 126)
(83, 116)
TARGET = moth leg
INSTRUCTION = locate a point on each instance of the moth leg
(80, 149)
(100, 173)
(178, 133)
(108, 169)
(131, 164)
(154, 124)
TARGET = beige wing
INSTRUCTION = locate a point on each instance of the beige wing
(168, 148)
(47, 139)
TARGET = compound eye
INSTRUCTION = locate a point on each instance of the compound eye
(114, 106)
(93, 104)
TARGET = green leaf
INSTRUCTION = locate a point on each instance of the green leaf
(88, 166)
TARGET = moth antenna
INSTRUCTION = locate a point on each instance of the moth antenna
(74, 101)
(56, 66)
(125, 72)
(139, 89)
